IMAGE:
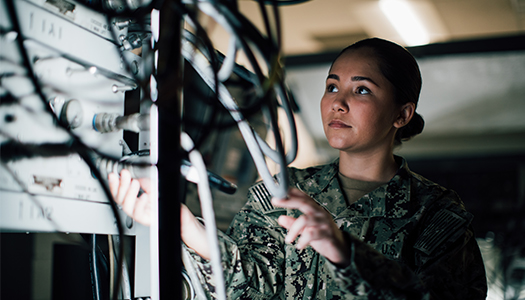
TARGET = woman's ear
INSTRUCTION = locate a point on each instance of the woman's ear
(405, 114)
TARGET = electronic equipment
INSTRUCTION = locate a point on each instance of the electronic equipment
(82, 70)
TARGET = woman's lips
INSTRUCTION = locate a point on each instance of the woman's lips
(338, 124)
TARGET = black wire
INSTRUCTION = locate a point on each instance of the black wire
(274, 77)
(247, 31)
(278, 32)
(125, 12)
(25, 57)
(246, 110)
(241, 24)
(94, 272)
(143, 83)
(264, 14)
(244, 28)
(204, 40)
(83, 150)
(285, 2)
(86, 156)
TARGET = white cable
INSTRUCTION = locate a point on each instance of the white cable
(202, 67)
(207, 213)
(229, 60)
(208, 8)
(192, 273)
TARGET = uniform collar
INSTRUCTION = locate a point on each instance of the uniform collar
(389, 199)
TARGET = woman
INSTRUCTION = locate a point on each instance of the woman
(362, 227)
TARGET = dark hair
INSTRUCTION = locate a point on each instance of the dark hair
(401, 69)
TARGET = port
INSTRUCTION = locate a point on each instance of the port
(63, 6)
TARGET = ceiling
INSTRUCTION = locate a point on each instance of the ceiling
(318, 26)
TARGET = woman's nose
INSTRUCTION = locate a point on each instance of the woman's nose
(340, 105)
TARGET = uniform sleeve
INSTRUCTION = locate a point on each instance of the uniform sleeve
(446, 255)
(252, 255)
(372, 274)
(444, 262)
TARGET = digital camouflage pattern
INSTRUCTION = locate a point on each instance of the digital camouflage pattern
(411, 239)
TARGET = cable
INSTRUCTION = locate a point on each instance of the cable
(75, 144)
(228, 63)
(95, 280)
(106, 8)
(230, 26)
(204, 40)
(284, 2)
(281, 92)
(83, 150)
(186, 260)
(207, 213)
(279, 189)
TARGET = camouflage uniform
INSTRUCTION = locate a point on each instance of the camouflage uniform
(410, 239)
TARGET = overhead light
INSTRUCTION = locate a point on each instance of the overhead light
(405, 21)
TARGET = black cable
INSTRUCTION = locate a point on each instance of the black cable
(248, 110)
(274, 78)
(102, 7)
(25, 57)
(285, 2)
(204, 40)
(247, 31)
(278, 32)
(86, 156)
(209, 52)
(143, 83)
(94, 269)
(266, 21)
(83, 150)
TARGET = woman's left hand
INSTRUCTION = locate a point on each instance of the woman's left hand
(316, 228)
(125, 190)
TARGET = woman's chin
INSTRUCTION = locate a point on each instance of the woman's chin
(339, 144)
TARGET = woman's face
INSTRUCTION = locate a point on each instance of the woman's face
(358, 108)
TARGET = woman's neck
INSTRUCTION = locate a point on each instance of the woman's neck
(378, 167)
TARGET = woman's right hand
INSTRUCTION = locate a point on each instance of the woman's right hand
(125, 191)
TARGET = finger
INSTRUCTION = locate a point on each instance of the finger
(303, 203)
(125, 181)
(128, 202)
(286, 221)
(305, 239)
(113, 184)
(145, 183)
(142, 211)
(296, 229)
(296, 192)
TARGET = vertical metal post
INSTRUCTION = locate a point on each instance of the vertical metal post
(169, 76)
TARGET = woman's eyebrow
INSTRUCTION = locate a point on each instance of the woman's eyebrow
(362, 78)
(354, 78)
(333, 76)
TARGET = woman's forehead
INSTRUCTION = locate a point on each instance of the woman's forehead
(360, 60)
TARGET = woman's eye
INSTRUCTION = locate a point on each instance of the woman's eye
(363, 90)
(332, 89)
